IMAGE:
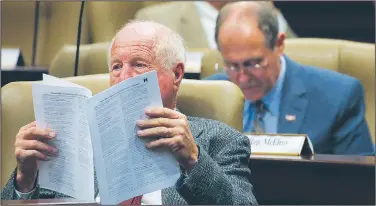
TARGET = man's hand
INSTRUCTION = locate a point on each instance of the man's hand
(29, 148)
(171, 128)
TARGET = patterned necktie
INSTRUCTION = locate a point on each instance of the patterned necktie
(132, 201)
(258, 122)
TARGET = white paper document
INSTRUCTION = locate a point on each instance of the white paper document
(125, 167)
(58, 105)
(100, 132)
(193, 62)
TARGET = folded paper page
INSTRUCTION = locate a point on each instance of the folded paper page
(125, 167)
(59, 106)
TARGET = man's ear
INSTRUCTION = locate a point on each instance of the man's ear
(178, 71)
(280, 43)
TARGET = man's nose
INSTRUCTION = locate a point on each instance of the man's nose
(243, 76)
(127, 72)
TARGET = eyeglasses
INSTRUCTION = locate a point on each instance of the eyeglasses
(248, 65)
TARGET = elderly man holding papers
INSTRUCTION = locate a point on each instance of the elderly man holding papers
(213, 157)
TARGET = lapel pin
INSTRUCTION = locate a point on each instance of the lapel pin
(290, 117)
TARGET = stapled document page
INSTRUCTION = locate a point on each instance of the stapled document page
(125, 167)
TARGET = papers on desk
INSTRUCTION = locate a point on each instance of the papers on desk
(101, 131)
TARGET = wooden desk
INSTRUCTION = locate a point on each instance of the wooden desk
(322, 179)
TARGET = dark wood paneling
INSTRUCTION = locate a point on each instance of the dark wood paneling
(350, 20)
(319, 180)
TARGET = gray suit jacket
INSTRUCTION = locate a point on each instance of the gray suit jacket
(221, 175)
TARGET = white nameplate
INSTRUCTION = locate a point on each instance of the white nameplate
(280, 144)
(193, 62)
(9, 58)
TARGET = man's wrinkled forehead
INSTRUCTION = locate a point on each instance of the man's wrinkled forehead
(133, 36)
(138, 32)
(140, 36)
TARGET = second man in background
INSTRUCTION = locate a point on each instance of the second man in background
(283, 96)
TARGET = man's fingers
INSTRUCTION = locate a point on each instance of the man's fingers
(157, 132)
(154, 112)
(174, 144)
(31, 124)
(25, 154)
(35, 132)
(36, 145)
(156, 122)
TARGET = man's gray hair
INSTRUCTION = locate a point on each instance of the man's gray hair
(169, 48)
(265, 14)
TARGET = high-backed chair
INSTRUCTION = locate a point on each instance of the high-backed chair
(92, 60)
(212, 63)
(107, 17)
(195, 98)
(57, 26)
(352, 58)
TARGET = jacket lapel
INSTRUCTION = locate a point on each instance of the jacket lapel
(294, 101)
(191, 28)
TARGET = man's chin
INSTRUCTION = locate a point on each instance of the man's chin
(253, 94)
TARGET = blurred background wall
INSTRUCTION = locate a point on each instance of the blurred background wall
(58, 22)
(349, 20)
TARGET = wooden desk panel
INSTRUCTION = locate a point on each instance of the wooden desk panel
(281, 180)
(322, 179)
(331, 19)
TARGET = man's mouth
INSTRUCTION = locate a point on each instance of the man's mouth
(250, 86)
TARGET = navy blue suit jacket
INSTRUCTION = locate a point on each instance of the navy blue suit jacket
(329, 108)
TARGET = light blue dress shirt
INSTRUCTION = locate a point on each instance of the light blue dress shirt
(271, 101)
